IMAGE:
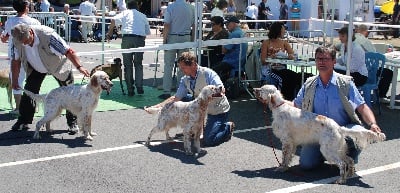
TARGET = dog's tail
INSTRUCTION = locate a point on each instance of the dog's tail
(362, 137)
(36, 97)
(153, 110)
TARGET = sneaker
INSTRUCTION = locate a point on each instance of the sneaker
(164, 96)
(72, 130)
(20, 127)
(384, 100)
(231, 130)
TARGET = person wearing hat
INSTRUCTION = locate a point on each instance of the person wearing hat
(218, 32)
(235, 54)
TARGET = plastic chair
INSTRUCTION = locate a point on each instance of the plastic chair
(373, 61)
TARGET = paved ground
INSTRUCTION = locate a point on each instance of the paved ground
(116, 161)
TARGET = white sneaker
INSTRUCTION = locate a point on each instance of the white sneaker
(384, 100)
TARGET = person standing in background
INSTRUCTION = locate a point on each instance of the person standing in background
(231, 9)
(86, 8)
(295, 15)
(283, 11)
(220, 9)
(178, 28)
(121, 5)
(45, 6)
(251, 14)
(22, 8)
(395, 18)
(263, 12)
(135, 27)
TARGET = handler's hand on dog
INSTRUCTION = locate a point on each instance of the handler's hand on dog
(84, 71)
(375, 128)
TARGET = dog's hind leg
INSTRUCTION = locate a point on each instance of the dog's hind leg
(332, 155)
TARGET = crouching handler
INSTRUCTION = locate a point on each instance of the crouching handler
(217, 130)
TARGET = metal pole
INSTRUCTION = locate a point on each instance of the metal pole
(103, 28)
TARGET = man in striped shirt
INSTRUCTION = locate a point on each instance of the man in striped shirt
(41, 51)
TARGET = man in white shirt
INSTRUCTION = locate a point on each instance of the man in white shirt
(86, 8)
(135, 27)
(121, 5)
(41, 51)
(251, 14)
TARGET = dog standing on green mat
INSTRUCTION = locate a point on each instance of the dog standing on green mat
(113, 70)
(6, 83)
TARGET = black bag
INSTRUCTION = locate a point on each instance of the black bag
(232, 88)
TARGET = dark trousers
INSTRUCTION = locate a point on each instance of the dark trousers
(359, 79)
(223, 69)
(385, 81)
(27, 106)
(133, 59)
(252, 25)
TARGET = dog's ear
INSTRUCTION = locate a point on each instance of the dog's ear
(93, 81)
(271, 98)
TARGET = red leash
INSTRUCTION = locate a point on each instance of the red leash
(269, 133)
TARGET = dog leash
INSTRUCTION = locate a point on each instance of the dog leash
(269, 133)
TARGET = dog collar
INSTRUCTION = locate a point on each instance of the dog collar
(279, 105)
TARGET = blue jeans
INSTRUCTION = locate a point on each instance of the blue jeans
(217, 130)
(311, 157)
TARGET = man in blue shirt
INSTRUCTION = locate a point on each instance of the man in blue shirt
(235, 54)
(335, 96)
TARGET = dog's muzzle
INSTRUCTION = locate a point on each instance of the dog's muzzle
(218, 92)
(107, 87)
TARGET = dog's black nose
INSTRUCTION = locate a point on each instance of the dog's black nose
(111, 84)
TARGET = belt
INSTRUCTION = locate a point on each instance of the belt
(179, 34)
(132, 35)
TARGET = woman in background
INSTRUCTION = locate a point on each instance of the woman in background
(284, 79)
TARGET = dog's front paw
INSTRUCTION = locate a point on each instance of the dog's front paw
(281, 169)
(93, 134)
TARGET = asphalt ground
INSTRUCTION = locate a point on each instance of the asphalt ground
(116, 160)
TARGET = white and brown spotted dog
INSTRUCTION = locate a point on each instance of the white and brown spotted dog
(5, 82)
(187, 115)
(294, 127)
(80, 100)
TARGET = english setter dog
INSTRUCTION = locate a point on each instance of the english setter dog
(294, 127)
(187, 115)
(81, 100)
